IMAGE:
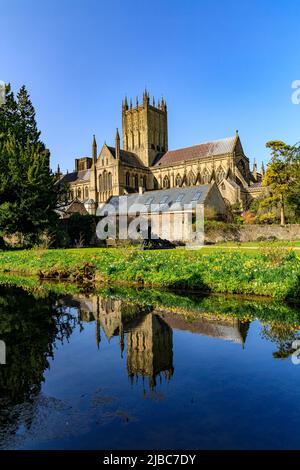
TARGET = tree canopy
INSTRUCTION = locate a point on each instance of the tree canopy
(283, 178)
(28, 194)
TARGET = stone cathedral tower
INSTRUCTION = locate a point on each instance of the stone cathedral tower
(145, 128)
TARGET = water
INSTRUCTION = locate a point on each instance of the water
(145, 369)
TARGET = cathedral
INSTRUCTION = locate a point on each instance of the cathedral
(144, 163)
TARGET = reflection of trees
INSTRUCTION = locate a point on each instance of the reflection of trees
(283, 336)
(29, 327)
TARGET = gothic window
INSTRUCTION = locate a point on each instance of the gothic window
(100, 183)
(109, 181)
(166, 182)
(127, 179)
(223, 187)
(178, 180)
(139, 139)
(79, 193)
(104, 180)
(86, 192)
(132, 140)
(220, 174)
(126, 141)
(136, 181)
(242, 167)
(205, 177)
(191, 179)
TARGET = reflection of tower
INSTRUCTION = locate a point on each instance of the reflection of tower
(110, 315)
(150, 349)
(113, 315)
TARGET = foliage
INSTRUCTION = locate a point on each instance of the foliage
(283, 177)
(80, 229)
(28, 195)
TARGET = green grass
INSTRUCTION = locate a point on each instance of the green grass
(273, 272)
(218, 306)
(276, 243)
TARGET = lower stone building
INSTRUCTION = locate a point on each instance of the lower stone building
(175, 214)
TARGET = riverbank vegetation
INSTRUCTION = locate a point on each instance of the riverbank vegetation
(273, 272)
(189, 305)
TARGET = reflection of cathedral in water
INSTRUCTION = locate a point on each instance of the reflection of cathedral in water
(149, 339)
(149, 335)
(150, 349)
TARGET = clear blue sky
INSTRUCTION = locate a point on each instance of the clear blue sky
(221, 65)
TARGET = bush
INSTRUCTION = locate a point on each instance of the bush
(2, 243)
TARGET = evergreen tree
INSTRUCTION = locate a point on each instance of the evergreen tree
(8, 114)
(28, 194)
(27, 126)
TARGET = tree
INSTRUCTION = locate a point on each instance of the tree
(28, 193)
(282, 175)
(8, 114)
(26, 121)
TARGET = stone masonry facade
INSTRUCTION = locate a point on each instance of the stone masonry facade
(145, 163)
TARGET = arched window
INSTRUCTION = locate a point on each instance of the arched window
(127, 179)
(100, 183)
(166, 182)
(72, 194)
(220, 174)
(136, 181)
(79, 193)
(178, 180)
(86, 192)
(104, 180)
(205, 177)
(191, 180)
(109, 181)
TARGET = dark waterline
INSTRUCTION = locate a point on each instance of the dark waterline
(147, 370)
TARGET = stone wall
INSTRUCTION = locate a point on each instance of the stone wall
(250, 233)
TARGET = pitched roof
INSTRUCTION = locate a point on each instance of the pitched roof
(128, 158)
(162, 200)
(83, 175)
(229, 330)
(207, 149)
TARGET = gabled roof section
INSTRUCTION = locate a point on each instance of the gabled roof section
(207, 149)
(76, 176)
(128, 158)
(162, 200)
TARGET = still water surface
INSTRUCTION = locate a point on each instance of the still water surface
(153, 371)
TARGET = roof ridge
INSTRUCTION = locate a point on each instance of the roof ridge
(202, 143)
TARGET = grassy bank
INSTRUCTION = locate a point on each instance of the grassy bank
(190, 306)
(269, 272)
